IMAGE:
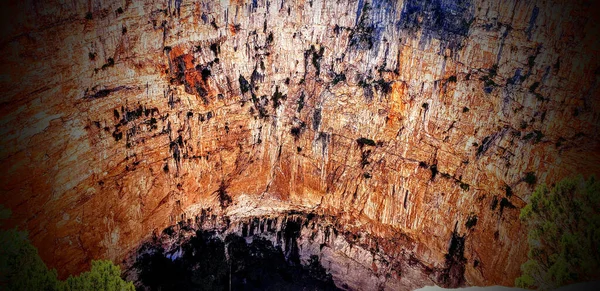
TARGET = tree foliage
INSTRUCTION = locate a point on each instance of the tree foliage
(104, 275)
(563, 234)
(21, 268)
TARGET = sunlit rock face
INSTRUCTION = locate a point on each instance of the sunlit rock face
(418, 129)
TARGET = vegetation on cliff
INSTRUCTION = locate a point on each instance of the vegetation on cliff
(563, 234)
(21, 267)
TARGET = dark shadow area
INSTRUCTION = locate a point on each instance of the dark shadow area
(206, 262)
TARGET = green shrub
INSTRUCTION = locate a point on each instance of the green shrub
(300, 102)
(21, 268)
(365, 141)
(530, 178)
(471, 221)
(244, 85)
(104, 275)
(341, 77)
(563, 225)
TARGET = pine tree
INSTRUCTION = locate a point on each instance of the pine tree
(563, 234)
(21, 268)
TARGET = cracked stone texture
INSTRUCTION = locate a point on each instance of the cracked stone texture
(121, 118)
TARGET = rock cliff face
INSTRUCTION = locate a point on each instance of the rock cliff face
(418, 128)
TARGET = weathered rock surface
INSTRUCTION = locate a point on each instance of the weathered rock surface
(415, 124)
(353, 258)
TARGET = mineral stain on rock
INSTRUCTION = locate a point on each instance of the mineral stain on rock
(389, 121)
(445, 20)
(453, 274)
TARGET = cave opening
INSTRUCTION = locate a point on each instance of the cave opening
(209, 260)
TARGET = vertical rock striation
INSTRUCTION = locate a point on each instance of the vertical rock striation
(422, 125)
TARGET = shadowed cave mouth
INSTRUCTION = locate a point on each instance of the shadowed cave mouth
(212, 260)
(265, 253)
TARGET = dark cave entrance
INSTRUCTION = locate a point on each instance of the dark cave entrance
(207, 262)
